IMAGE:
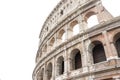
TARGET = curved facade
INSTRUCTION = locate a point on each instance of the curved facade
(85, 53)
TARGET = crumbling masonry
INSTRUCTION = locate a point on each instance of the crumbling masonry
(91, 54)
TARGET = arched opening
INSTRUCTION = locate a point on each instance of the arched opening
(78, 63)
(76, 59)
(76, 29)
(62, 35)
(98, 52)
(49, 71)
(45, 48)
(61, 12)
(117, 43)
(91, 19)
(52, 41)
(118, 46)
(60, 65)
(74, 26)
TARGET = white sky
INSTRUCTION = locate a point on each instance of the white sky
(20, 24)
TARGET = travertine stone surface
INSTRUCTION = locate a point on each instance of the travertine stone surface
(56, 57)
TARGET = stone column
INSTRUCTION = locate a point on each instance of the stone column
(84, 57)
(56, 68)
(69, 61)
(82, 23)
(65, 61)
(69, 32)
(106, 51)
(88, 50)
(45, 75)
(53, 69)
(81, 27)
(113, 49)
(108, 48)
(58, 41)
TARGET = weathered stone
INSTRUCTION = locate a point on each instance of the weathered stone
(56, 59)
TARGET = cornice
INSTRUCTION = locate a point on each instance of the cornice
(111, 24)
(76, 12)
(49, 16)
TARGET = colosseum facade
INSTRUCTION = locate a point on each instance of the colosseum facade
(85, 53)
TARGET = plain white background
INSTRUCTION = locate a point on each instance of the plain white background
(20, 24)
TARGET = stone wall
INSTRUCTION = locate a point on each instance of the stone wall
(56, 58)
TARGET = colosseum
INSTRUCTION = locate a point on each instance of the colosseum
(71, 49)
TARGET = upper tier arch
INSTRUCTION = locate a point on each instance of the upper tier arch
(66, 10)
(63, 8)
(78, 13)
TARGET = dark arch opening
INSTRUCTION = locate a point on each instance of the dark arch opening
(117, 43)
(62, 71)
(61, 35)
(60, 65)
(74, 26)
(61, 12)
(118, 46)
(76, 61)
(98, 53)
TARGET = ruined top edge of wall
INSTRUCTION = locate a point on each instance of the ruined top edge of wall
(57, 9)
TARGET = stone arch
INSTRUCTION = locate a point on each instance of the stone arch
(96, 48)
(101, 14)
(60, 65)
(88, 14)
(39, 55)
(91, 19)
(116, 40)
(61, 12)
(74, 27)
(45, 48)
(76, 61)
(112, 34)
(49, 71)
(52, 42)
(61, 35)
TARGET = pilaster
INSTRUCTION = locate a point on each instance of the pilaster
(108, 48)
